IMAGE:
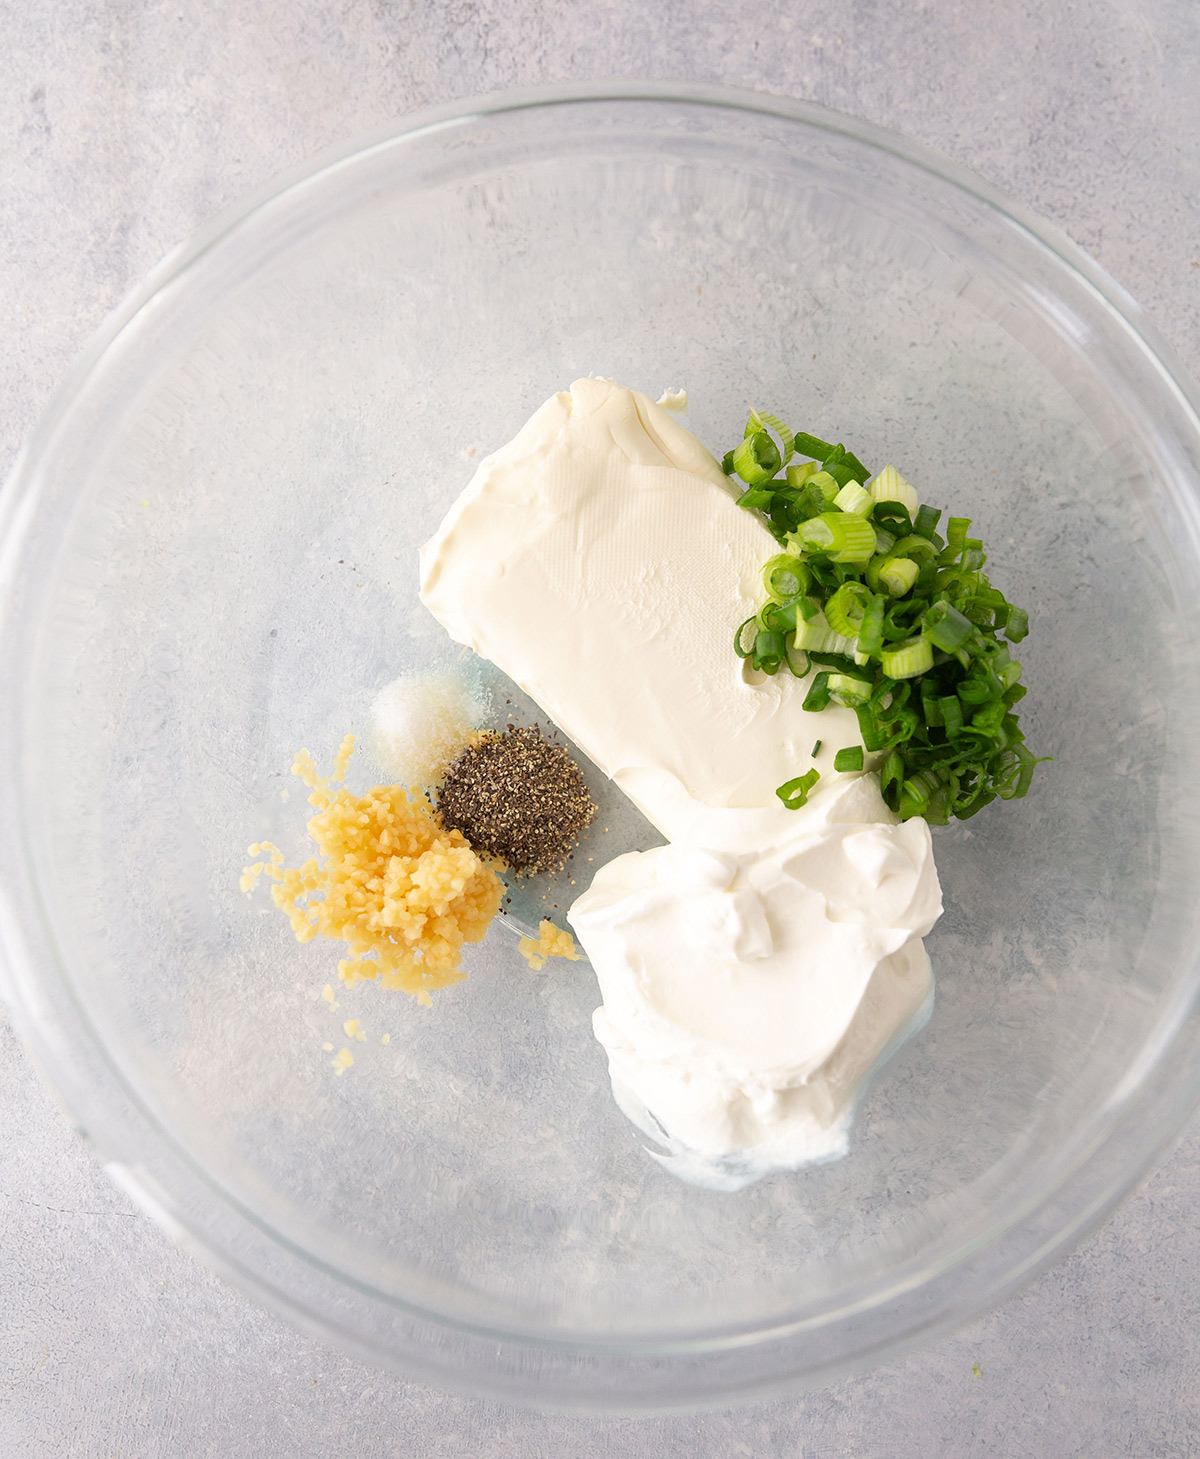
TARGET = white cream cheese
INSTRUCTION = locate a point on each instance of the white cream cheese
(601, 561)
(754, 969)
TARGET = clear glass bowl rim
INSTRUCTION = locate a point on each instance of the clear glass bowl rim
(1133, 1135)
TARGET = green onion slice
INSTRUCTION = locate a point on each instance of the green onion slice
(945, 627)
(794, 793)
(845, 611)
(891, 779)
(743, 646)
(841, 536)
(817, 637)
(779, 616)
(870, 632)
(853, 498)
(759, 420)
(898, 575)
(818, 694)
(828, 485)
(813, 446)
(796, 659)
(907, 659)
(786, 576)
(850, 758)
(1017, 626)
(926, 520)
(769, 650)
(757, 459)
(890, 486)
(849, 690)
(800, 471)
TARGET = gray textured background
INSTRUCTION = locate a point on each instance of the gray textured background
(125, 124)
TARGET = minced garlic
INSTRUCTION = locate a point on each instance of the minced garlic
(403, 894)
(550, 942)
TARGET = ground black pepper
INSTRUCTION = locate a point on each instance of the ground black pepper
(517, 795)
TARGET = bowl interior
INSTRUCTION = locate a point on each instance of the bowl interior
(225, 553)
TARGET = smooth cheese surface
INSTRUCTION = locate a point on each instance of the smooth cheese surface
(601, 561)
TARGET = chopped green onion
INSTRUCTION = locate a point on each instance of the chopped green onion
(796, 659)
(794, 793)
(769, 650)
(891, 779)
(853, 498)
(841, 536)
(945, 627)
(898, 575)
(920, 549)
(756, 499)
(779, 616)
(1017, 626)
(757, 459)
(973, 556)
(786, 576)
(848, 690)
(813, 446)
(818, 694)
(844, 612)
(870, 633)
(890, 486)
(905, 627)
(799, 472)
(816, 749)
(902, 619)
(907, 659)
(894, 516)
(839, 663)
(816, 636)
(811, 501)
(956, 529)
(826, 484)
(988, 718)
(950, 709)
(787, 441)
(743, 646)
(926, 520)
(917, 793)
(860, 471)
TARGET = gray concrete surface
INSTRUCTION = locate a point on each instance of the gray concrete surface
(126, 123)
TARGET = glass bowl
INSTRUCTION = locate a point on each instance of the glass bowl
(209, 560)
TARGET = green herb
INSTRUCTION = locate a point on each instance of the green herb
(794, 793)
(906, 627)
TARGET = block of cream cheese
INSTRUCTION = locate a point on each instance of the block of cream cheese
(600, 559)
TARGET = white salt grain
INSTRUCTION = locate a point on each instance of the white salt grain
(419, 723)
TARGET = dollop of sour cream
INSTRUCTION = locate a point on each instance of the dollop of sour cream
(747, 994)
(756, 967)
